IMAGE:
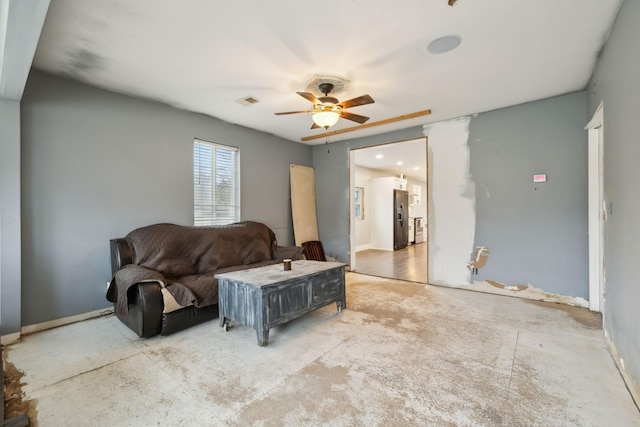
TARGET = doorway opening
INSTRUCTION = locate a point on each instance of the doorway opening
(389, 236)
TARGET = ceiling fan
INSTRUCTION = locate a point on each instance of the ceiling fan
(327, 109)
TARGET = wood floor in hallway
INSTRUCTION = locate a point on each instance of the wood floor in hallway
(410, 263)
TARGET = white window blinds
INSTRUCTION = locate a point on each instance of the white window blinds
(216, 184)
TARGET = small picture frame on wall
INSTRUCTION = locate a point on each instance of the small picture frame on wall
(358, 203)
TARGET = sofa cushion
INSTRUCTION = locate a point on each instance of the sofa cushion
(242, 243)
(173, 267)
(178, 251)
(197, 289)
(164, 248)
(200, 290)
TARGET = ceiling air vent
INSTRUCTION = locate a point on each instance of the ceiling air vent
(247, 101)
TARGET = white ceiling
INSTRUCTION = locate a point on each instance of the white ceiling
(407, 157)
(203, 55)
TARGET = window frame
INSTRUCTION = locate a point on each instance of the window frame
(205, 177)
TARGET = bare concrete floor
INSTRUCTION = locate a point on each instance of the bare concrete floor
(400, 354)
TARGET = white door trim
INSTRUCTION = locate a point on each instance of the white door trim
(352, 218)
(596, 210)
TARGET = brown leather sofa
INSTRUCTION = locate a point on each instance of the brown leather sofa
(163, 274)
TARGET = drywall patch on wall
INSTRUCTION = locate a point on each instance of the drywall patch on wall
(452, 194)
(525, 291)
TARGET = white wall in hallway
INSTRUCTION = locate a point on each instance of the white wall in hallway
(363, 178)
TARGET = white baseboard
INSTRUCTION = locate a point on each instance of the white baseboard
(9, 338)
(361, 248)
(29, 329)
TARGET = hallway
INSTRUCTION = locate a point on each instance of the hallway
(409, 264)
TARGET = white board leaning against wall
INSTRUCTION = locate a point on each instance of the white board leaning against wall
(303, 204)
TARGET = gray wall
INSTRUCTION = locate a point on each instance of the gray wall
(616, 81)
(536, 233)
(545, 136)
(331, 175)
(97, 164)
(9, 216)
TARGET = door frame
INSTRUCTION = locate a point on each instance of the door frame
(352, 217)
(352, 220)
(596, 210)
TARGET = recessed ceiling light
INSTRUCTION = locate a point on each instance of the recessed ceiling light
(379, 156)
(399, 163)
(444, 44)
(416, 168)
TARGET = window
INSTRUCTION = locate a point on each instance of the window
(216, 184)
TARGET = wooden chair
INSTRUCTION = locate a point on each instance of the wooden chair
(313, 250)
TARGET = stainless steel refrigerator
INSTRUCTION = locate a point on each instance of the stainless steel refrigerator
(401, 219)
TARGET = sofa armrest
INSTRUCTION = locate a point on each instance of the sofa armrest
(288, 252)
(144, 316)
(121, 254)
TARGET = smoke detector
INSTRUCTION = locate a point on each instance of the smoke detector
(444, 44)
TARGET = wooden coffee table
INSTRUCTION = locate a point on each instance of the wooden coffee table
(269, 296)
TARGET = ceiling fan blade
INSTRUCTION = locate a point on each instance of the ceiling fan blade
(354, 117)
(361, 100)
(315, 126)
(309, 97)
(292, 112)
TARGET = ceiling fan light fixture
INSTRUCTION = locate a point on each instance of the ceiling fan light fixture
(327, 109)
(326, 119)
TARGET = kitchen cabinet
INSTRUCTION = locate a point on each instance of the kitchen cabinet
(416, 190)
